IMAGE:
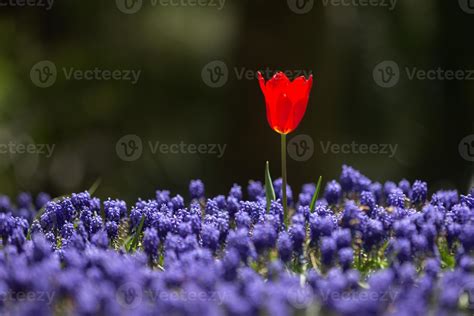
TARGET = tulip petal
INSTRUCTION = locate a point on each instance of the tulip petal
(285, 101)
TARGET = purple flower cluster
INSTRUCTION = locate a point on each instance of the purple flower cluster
(366, 249)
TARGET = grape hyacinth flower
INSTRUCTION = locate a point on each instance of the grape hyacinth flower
(151, 242)
(196, 189)
(332, 192)
(419, 191)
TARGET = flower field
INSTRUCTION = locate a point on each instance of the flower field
(363, 248)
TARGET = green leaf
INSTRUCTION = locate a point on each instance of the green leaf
(94, 186)
(269, 190)
(134, 243)
(128, 243)
(316, 194)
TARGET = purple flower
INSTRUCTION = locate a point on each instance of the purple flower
(115, 209)
(332, 192)
(196, 189)
(41, 200)
(81, 200)
(352, 217)
(388, 187)
(17, 237)
(345, 256)
(243, 220)
(240, 241)
(177, 202)
(320, 226)
(96, 224)
(24, 200)
(162, 197)
(297, 234)
(405, 186)
(151, 242)
(404, 228)
(277, 185)
(236, 191)
(254, 209)
(367, 198)
(468, 199)
(230, 263)
(328, 250)
(210, 236)
(342, 237)
(5, 205)
(304, 199)
(419, 243)
(6, 225)
(396, 198)
(402, 249)
(285, 246)
(376, 189)
(467, 237)
(445, 198)
(349, 178)
(255, 190)
(112, 229)
(100, 239)
(66, 230)
(432, 267)
(264, 237)
(419, 191)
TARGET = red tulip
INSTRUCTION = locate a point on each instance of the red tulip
(286, 101)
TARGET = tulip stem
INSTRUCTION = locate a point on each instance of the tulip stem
(283, 176)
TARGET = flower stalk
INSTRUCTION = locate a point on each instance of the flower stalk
(284, 179)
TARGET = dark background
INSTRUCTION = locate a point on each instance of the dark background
(171, 103)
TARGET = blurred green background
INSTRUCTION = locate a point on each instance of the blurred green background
(172, 101)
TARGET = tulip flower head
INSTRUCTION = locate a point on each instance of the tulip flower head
(285, 100)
